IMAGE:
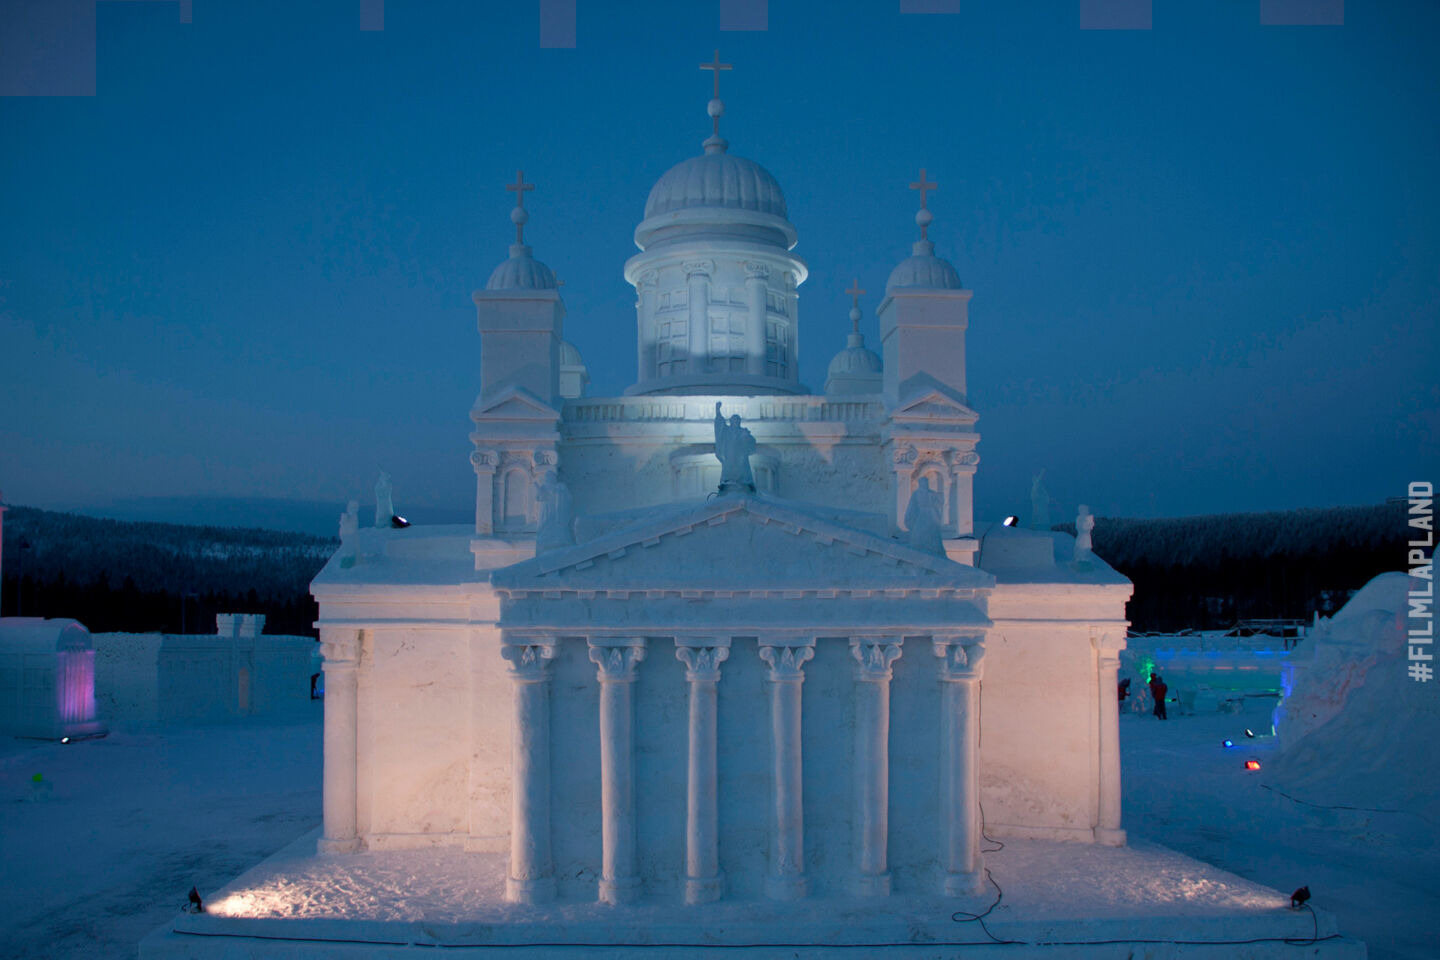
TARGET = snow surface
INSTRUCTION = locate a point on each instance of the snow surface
(130, 822)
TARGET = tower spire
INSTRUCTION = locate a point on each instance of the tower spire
(716, 107)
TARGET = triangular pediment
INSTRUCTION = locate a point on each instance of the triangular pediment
(514, 403)
(925, 399)
(738, 543)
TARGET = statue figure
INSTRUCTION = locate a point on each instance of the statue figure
(384, 505)
(1039, 503)
(557, 515)
(922, 519)
(1084, 542)
(350, 534)
(733, 446)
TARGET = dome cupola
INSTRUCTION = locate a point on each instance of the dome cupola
(922, 269)
(522, 271)
(715, 280)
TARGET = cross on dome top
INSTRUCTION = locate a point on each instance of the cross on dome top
(716, 106)
(855, 293)
(923, 216)
(519, 216)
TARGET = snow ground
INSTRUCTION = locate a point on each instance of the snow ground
(107, 852)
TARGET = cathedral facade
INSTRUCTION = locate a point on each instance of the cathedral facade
(818, 678)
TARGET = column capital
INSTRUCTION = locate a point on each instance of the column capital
(786, 661)
(529, 658)
(755, 270)
(961, 657)
(616, 658)
(702, 657)
(340, 646)
(485, 459)
(1107, 643)
(874, 656)
(697, 268)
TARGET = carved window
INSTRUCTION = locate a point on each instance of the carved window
(777, 348)
(727, 342)
(671, 345)
(516, 506)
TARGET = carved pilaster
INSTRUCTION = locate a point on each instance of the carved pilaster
(341, 649)
(1107, 646)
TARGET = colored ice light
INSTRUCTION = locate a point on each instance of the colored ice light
(1252, 764)
(1229, 743)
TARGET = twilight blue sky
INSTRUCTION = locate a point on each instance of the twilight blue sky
(1206, 256)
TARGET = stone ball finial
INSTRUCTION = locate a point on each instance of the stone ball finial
(519, 216)
(923, 218)
(854, 314)
(715, 108)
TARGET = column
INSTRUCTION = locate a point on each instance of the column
(645, 288)
(786, 880)
(484, 462)
(530, 879)
(1107, 650)
(616, 660)
(960, 669)
(702, 657)
(697, 279)
(873, 659)
(755, 293)
(341, 650)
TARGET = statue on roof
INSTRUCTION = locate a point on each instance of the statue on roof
(923, 519)
(1039, 503)
(733, 447)
(1084, 534)
(384, 501)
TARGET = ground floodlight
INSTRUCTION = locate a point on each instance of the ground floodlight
(1010, 521)
(1228, 742)
(1250, 733)
(1298, 898)
(399, 522)
(1252, 764)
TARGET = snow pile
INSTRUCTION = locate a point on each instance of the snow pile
(1355, 729)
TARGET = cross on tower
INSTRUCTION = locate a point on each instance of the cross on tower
(716, 107)
(855, 293)
(518, 216)
(923, 185)
(923, 216)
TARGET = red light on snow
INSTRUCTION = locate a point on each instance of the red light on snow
(1252, 764)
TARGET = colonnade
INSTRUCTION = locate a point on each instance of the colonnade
(531, 877)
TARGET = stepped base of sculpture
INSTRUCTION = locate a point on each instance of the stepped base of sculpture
(1061, 900)
(736, 486)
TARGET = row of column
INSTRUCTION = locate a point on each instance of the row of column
(530, 876)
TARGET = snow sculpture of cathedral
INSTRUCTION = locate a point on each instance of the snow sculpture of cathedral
(693, 696)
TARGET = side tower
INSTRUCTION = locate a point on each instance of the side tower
(929, 429)
(520, 316)
(715, 280)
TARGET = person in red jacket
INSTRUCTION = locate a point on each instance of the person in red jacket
(1157, 691)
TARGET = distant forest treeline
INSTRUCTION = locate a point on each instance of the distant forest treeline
(1198, 572)
(1208, 572)
(115, 575)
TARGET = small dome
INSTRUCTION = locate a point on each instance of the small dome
(569, 356)
(922, 269)
(521, 272)
(716, 179)
(856, 369)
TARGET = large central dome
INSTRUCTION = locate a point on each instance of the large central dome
(716, 179)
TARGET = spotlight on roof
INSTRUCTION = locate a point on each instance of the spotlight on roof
(1298, 898)
(1250, 733)
(1227, 742)
(1252, 764)
(399, 522)
(64, 739)
(196, 904)
(1010, 521)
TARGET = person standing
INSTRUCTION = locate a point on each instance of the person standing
(1158, 690)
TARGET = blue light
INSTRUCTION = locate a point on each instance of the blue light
(1229, 743)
